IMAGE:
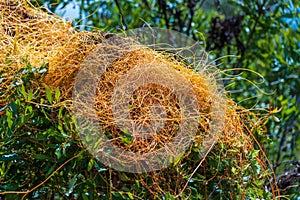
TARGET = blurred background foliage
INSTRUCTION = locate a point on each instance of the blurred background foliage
(261, 35)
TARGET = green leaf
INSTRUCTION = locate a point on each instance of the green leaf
(90, 164)
(60, 128)
(71, 185)
(233, 150)
(127, 138)
(8, 157)
(49, 94)
(42, 70)
(233, 169)
(40, 156)
(58, 153)
(28, 109)
(99, 168)
(30, 95)
(245, 167)
(276, 119)
(254, 153)
(23, 91)
(127, 132)
(57, 94)
(8, 187)
(177, 160)
(84, 196)
(9, 119)
(14, 109)
(130, 195)
(60, 112)
(50, 170)
(88, 138)
(65, 147)
(3, 108)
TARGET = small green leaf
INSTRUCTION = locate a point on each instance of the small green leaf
(254, 153)
(102, 169)
(42, 70)
(3, 108)
(245, 167)
(276, 119)
(14, 109)
(8, 157)
(130, 195)
(28, 109)
(127, 138)
(57, 94)
(99, 168)
(60, 128)
(88, 138)
(127, 132)
(30, 95)
(50, 170)
(8, 187)
(9, 119)
(58, 153)
(233, 150)
(60, 113)
(233, 169)
(40, 157)
(84, 196)
(66, 147)
(23, 91)
(71, 185)
(48, 94)
(177, 160)
(91, 164)
(171, 159)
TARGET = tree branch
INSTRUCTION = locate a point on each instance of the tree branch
(121, 13)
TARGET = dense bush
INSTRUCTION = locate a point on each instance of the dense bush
(262, 35)
(42, 157)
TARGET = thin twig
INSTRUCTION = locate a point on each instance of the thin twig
(195, 170)
(43, 182)
(121, 13)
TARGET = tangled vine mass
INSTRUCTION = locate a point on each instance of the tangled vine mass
(235, 166)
